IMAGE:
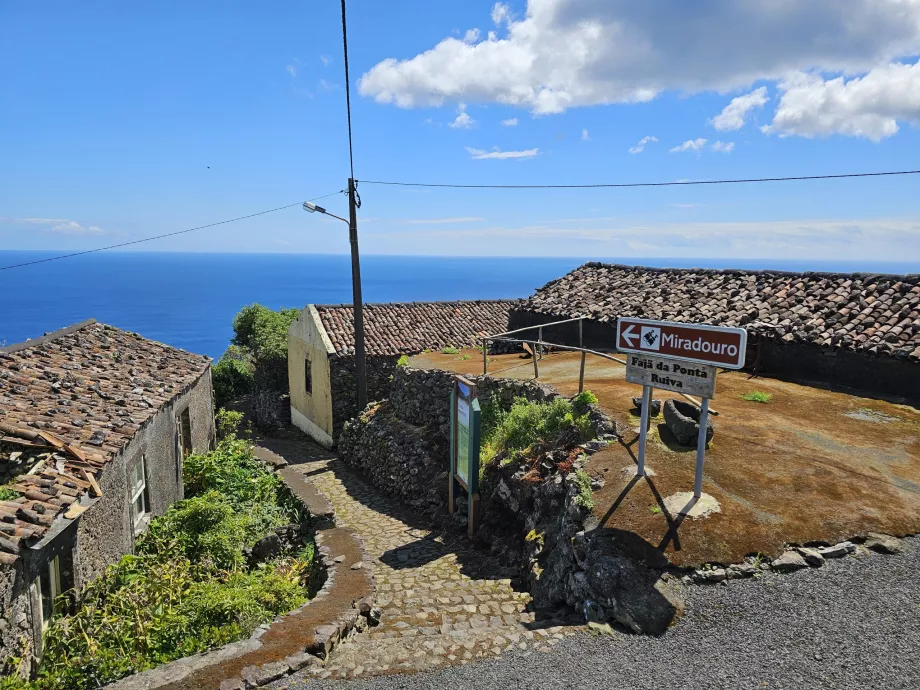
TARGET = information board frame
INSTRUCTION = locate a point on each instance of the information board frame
(465, 421)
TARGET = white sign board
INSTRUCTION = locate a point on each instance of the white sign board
(672, 375)
(463, 440)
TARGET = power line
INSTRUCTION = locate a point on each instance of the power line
(677, 183)
(351, 157)
(159, 237)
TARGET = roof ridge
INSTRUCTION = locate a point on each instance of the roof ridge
(47, 337)
(744, 271)
(425, 303)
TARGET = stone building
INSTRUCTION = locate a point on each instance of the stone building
(94, 424)
(855, 330)
(321, 352)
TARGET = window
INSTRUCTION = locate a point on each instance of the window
(48, 588)
(185, 432)
(308, 376)
(138, 485)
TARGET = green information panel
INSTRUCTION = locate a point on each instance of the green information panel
(464, 447)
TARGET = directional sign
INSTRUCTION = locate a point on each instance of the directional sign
(672, 375)
(724, 347)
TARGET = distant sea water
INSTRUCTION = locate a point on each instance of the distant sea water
(188, 300)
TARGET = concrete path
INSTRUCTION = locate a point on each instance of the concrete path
(443, 604)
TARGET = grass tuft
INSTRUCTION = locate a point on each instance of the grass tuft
(757, 397)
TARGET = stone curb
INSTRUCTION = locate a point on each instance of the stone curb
(344, 605)
(793, 558)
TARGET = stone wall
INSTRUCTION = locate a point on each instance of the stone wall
(534, 511)
(380, 372)
(422, 396)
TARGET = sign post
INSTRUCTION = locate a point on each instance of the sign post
(680, 357)
(464, 448)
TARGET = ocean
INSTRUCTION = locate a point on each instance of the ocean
(188, 300)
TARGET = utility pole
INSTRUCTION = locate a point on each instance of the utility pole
(358, 305)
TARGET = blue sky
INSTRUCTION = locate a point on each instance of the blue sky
(124, 120)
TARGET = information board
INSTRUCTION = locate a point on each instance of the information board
(688, 378)
(463, 441)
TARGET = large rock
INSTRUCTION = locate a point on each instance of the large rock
(883, 543)
(633, 595)
(789, 561)
(683, 420)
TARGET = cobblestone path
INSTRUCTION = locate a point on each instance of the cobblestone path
(442, 604)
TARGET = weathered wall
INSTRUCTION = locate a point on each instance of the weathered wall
(380, 372)
(105, 531)
(403, 445)
(422, 396)
(868, 374)
(311, 412)
(16, 634)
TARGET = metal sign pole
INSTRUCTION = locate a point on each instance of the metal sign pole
(701, 448)
(643, 427)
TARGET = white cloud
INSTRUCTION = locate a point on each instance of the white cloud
(510, 122)
(471, 36)
(585, 136)
(325, 59)
(643, 142)
(733, 115)
(292, 70)
(872, 239)
(327, 86)
(501, 14)
(480, 154)
(60, 226)
(570, 53)
(695, 145)
(723, 146)
(869, 106)
(443, 221)
(463, 120)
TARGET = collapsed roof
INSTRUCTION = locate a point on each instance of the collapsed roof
(69, 403)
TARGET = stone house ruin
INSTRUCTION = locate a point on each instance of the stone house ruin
(857, 330)
(94, 424)
(321, 351)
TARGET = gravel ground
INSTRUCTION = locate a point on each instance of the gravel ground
(855, 623)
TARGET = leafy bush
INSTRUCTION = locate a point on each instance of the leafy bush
(758, 397)
(228, 423)
(403, 361)
(231, 375)
(585, 497)
(262, 332)
(188, 588)
(450, 350)
(8, 494)
(527, 423)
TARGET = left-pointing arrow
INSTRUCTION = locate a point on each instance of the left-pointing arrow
(629, 336)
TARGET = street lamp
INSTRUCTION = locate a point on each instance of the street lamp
(358, 306)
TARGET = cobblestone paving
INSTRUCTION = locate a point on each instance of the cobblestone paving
(443, 604)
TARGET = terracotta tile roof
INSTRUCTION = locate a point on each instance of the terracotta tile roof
(873, 313)
(411, 327)
(72, 400)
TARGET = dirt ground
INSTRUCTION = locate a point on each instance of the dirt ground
(810, 465)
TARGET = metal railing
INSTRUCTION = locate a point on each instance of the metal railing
(537, 352)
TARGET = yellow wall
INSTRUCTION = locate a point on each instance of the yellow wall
(312, 413)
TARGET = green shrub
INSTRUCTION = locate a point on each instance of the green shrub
(8, 494)
(583, 399)
(228, 423)
(585, 497)
(231, 376)
(403, 361)
(262, 333)
(758, 397)
(527, 423)
(188, 588)
(450, 350)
